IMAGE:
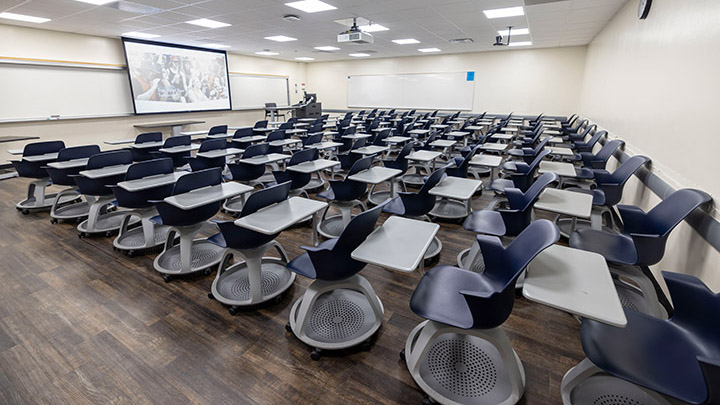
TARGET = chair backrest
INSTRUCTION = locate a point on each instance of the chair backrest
(219, 129)
(276, 135)
(404, 152)
(77, 152)
(177, 141)
(41, 148)
(270, 105)
(304, 155)
(212, 144)
(149, 168)
(530, 168)
(257, 149)
(110, 158)
(606, 151)
(360, 165)
(149, 137)
(359, 143)
(665, 216)
(595, 138)
(432, 180)
(313, 139)
(522, 201)
(261, 124)
(243, 132)
(379, 139)
(199, 179)
(263, 198)
(287, 125)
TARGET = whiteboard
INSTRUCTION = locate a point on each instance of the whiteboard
(40, 91)
(441, 91)
(253, 91)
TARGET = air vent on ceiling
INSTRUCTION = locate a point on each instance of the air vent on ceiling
(135, 8)
(461, 41)
(291, 18)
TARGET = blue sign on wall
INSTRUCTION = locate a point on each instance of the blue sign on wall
(471, 76)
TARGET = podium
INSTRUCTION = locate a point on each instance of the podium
(309, 110)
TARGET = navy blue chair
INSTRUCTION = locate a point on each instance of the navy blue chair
(343, 194)
(399, 163)
(218, 130)
(297, 180)
(347, 158)
(528, 154)
(198, 163)
(100, 218)
(337, 285)
(142, 154)
(464, 312)
(312, 139)
(274, 136)
(240, 133)
(598, 160)
(140, 208)
(61, 209)
(587, 146)
(179, 159)
(182, 254)
(508, 221)
(642, 241)
(256, 279)
(589, 130)
(462, 163)
(246, 173)
(677, 358)
(521, 177)
(258, 128)
(36, 199)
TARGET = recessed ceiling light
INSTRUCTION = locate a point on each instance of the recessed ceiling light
(521, 43)
(311, 6)
(304, 58)
(504, 12)
(515, 31)
(327, 48)
(22, 17)
(406, 41)
(136, 34)
(267, 53)
(427, 50)
(204, 22)
(96, 2)
(218, 46)
(281, 38)
(373, 28)
(359, 55)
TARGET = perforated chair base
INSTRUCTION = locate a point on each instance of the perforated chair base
(449, 209)
(471, 259)
(109, 222)
(331, 227)
(415, 180)
(565, 226)
(455, 366)
(71, 211)
(134, 239)
(434, 249)
(232, 287)
(588, 384)
(314, 184)
(234, 205)
(203, 256)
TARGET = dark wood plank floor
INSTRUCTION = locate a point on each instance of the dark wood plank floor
(80, 323)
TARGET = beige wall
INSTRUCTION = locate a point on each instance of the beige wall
(524, 81)
(21, 42)
(655, 84)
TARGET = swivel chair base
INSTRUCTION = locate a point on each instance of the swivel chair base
(471, 259)
(416, 179)
(458, 366)
(143, 238)
(234, 205)
(101, 220)
(334, 315)
(256, 280)
(588, 384)
(379, 197)
(451, 209)
(332, 227)
(62, 210)
(567, 224)
(37, 200)
(187, 256)
(636, 291)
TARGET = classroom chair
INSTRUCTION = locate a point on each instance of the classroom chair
(102, 217)
(37, 199)
(460, 354)
(597, 160)
(240, 133)
(270, 109)
(651, 360)
(640, 245)
(246, 173)
(138, 207)
(347, 158)
(528, 154)
(343, 194)
(517, 174)
(61, 210)
(298, 181)
(587, 146)
(218, 130)
(142, 154)
(458, 167)
(179, 159)
(508, 221)
(274, 136)
(399, 163)
(198, 163)
(339, 309)
(259, 126)
(182, 253)
(256, 278)
(418, 206)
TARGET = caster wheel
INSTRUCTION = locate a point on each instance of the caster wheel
(25, 212)
(277, 299)
(81, 235)
(108, 234)
(235, 215)
(167, 278)
(211, 296)
(288, 327)
(54, 221)
(207, 272)
(428, 401)
(315, 355)
(402, 354)
(131, 253)
(78, 221)
(234, 310)
(366, 345)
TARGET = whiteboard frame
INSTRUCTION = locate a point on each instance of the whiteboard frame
(287, 85)
(347, 92)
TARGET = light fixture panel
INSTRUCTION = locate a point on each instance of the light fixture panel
(208, 23)
(311, 6)
(504, 12)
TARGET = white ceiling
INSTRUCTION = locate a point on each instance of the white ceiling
(432, 22)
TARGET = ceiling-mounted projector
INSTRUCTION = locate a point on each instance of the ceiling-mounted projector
(355, 35)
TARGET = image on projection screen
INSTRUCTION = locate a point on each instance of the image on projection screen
(172, 78)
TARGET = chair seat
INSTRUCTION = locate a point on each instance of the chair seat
(616, 248)
(509, 166)
(632, 353)
(499, 185)
(437, 296)
(303, 264)
(517, 152)
(156, 220)
(328, 194)
(598, 195)
(395, 206)
(585, 173)
(487, 222)
(218, 239)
